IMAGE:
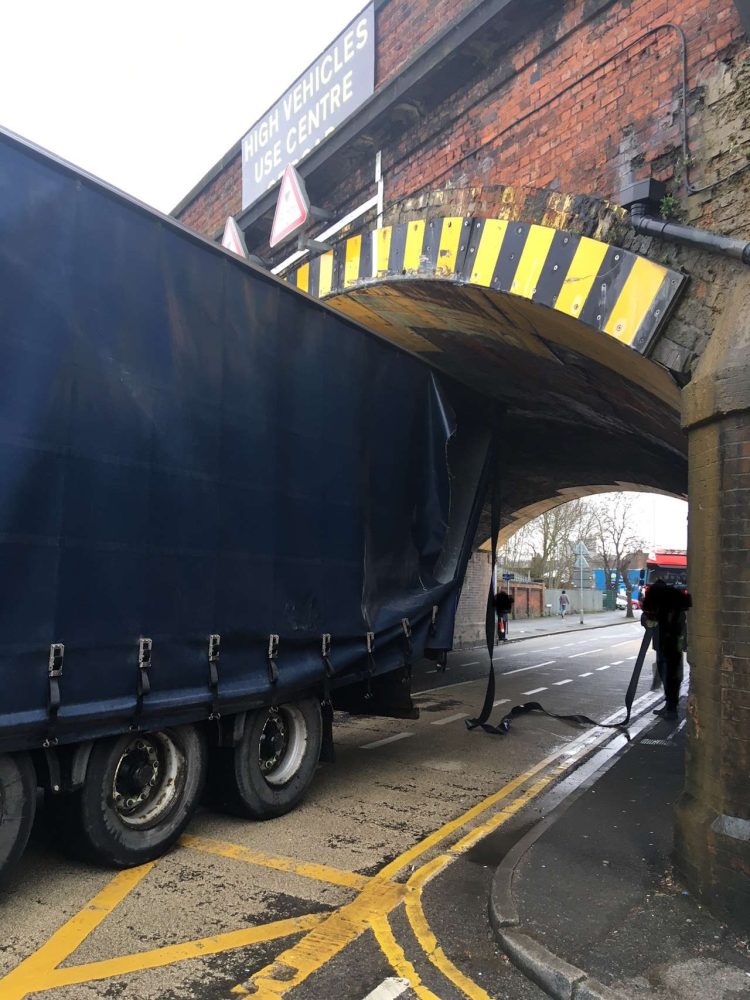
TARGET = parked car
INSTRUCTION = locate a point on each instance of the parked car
(621, 603)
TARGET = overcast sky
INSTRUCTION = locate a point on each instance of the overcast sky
(149, 95)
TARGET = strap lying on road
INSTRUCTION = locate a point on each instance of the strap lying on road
(534, 706)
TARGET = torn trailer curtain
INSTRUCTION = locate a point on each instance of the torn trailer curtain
(188, 448)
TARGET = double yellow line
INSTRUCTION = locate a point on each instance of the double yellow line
(325, 935)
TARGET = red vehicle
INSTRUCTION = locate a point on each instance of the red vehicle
(669, 565)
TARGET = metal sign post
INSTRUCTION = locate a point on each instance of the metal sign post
(581, 564)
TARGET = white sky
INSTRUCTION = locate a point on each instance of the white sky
(661, 521)
(149, 95)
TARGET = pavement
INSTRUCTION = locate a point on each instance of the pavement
(587, 903)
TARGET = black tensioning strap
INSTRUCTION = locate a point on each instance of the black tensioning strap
(489, 621)
(534, 706)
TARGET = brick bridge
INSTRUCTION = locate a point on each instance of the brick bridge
(616, 358)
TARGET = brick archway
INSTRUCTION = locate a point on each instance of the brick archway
(603, 286)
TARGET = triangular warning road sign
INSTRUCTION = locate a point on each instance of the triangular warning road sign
(292, 208)
(233, 239)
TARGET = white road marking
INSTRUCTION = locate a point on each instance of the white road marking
(560, 683)
(450, 718)
(605, 667)
(629, 658)
(586, 652)
(534, 691)
(500, 701)
(389, 989)
(520, 670)
(427, 704)
(469, 663)
(626, 643)
(616, 663)
(388, 739)
(589, 674)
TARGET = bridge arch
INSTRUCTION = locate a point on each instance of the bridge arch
(555, 326)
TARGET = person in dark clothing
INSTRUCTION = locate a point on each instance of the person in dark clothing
(503, 606)
(665, 607)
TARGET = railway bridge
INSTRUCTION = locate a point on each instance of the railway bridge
(550, 202)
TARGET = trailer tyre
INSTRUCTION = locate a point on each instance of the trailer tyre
(139, 794)
(17, 807)
(270, 769)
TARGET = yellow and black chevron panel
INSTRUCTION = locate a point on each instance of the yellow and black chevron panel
(605, 287)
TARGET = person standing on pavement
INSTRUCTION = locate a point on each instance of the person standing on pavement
(564, 604)
(503, 606)
(665, 607)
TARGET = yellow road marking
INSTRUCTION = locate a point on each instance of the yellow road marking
(158, 957)
(327, 934)
(426, 938)
(455, 824)
(324, 942)
(321, 873)
(64, 942)
(413, 903)
(398, 961)
(298, 963)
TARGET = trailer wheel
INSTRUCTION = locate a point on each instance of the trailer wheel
(270, 769)
(17, 807)
(140, 791)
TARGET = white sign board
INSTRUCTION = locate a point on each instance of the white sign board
(333, 87)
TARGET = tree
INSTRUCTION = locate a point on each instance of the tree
(543, 548)
(616, 540)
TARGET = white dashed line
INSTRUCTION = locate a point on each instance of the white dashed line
(471, 663)
(388, 739)
(389, 989)
(534, 691)
(520, 670)
(616, 663)
(626, 643)
(560, 683)
(500, 701)
(629, 658)
(586, 652)
(589, 674)
(605, 667)
(450, 718)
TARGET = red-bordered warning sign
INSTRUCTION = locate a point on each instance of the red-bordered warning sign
(292, 207)
(233, 239)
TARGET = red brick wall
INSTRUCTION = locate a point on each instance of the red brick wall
(403, 26)
(222, 197)
(585, 112)
(582, 104)
(472, 605)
